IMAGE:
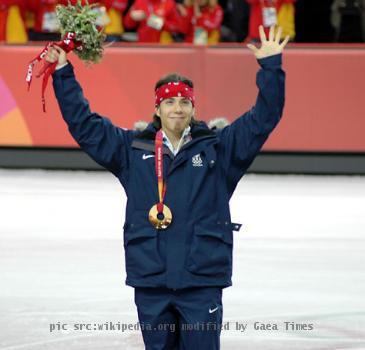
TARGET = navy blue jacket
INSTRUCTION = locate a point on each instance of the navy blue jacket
(196, 249)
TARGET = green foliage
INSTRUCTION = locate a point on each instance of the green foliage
(81, 21)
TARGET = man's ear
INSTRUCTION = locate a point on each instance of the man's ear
(157, 111)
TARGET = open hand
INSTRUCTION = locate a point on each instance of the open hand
(269, 47)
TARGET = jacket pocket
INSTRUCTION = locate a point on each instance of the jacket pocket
(211, 251)
(142, 256)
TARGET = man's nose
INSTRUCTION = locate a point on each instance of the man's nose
(178, 108)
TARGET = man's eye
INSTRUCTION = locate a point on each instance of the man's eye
(169, 102)
(186, 102)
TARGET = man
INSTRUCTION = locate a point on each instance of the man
(178, 176)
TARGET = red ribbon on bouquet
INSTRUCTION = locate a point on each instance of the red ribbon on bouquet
(68, 43)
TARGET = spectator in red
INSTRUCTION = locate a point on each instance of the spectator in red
(115, 9)
(12, 22)
(202, 21)
(155, 20)
(46, 26)
(264, 12)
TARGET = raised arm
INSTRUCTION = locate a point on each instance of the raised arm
(96, 135)
(242, 140)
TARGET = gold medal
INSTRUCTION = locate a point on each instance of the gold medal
(160, 215)
(160, 220)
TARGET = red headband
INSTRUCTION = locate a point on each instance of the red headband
(174, 89)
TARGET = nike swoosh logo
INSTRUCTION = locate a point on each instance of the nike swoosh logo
(145, 156)
(213, 310)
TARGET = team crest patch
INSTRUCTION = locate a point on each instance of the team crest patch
(196, 160)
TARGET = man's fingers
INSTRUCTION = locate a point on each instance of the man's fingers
(57, 48)
(52, 55)
(278, 35)
(253, 48)
(262, 34)
(272, 33)
(53, 51)
(286, 40)
(51, 58)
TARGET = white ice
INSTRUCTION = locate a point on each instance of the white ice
(299, 257)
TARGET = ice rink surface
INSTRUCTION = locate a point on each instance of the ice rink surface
(299, 258)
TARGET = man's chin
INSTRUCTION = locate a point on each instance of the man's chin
(179, 126)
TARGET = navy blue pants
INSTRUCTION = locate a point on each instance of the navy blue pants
(184, 319)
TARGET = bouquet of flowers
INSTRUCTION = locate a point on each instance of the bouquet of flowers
(81, 34)
(82, 20)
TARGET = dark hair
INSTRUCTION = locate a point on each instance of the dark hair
(171, 78)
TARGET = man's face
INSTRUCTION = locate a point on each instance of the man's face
(175, 114)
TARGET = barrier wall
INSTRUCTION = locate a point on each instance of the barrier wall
(325, 99)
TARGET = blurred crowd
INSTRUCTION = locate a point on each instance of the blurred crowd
(192, 21)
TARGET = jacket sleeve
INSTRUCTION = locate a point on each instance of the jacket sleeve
(96, 135)
(242, 140)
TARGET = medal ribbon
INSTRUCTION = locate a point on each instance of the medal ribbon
(68, 43)
(159, 170)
